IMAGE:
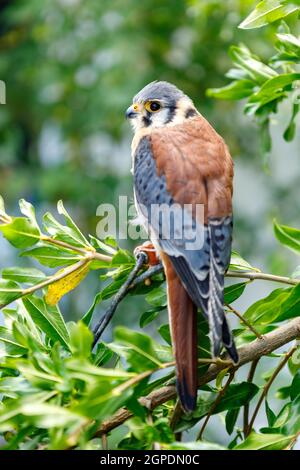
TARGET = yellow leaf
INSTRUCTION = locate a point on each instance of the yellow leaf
(59, 288)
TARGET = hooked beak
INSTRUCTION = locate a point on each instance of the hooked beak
(132, 111)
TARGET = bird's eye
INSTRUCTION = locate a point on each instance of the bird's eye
(152, 106)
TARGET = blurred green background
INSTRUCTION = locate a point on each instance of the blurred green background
(71, 68)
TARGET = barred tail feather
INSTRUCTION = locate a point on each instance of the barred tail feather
(183, 323)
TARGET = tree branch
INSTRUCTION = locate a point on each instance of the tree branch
(249, 353)
(243, 320)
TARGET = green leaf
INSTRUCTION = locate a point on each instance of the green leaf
(123, 257)
(271, 417)
(10, 343)
(290, 131)
(87, 317)
(203, 445)
(48, 416)
(290, 306)
(81, 340)
(289, 40)
(273, 89)
(295, 386)
(14, 386)
(257, 441)
(49, 319)
(21, 232)
(237, 263)
(164, 331)
(288, 236)
(233, 292)
(267, 12)
(292, 425)
(111, 289)
(61, 232)
(98, 244)
(268, 309)
(71, 224)
(237, 395)
(294, 361)
(103, 354)
(230, 419)
(141, 349)
(9, 291)
(236, 90)
(25, 275)
(248, 62)
(10, 413)
(157, 297)
(265, 140)
(84, 370)
(28, 210)
(283, 416)
(53, 256)
(150, 315)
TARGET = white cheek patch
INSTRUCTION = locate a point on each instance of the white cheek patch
(137, 123)
(160, 118)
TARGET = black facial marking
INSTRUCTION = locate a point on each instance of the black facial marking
(147, 119)
(171, 113)
(190, 112)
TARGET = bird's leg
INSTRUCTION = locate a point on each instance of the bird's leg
(149, 249)
(141, 259)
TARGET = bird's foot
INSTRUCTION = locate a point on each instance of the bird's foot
(148, 248)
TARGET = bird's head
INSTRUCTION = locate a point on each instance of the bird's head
(159, 104)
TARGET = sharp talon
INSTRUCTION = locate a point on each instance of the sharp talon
(150, 251)
(141, 254)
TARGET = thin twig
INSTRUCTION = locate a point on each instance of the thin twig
(176, 415)
(246, 407)
(249, 353)
(103, 322)
(268, 385)
(264, 277)
(104, 442)
(215, 404)
(83, 251)
(233, 274)
(251, 327)
(292, 442)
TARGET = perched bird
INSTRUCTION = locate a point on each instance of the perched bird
(179, 160)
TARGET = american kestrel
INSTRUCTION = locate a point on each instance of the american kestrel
(181, 163)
